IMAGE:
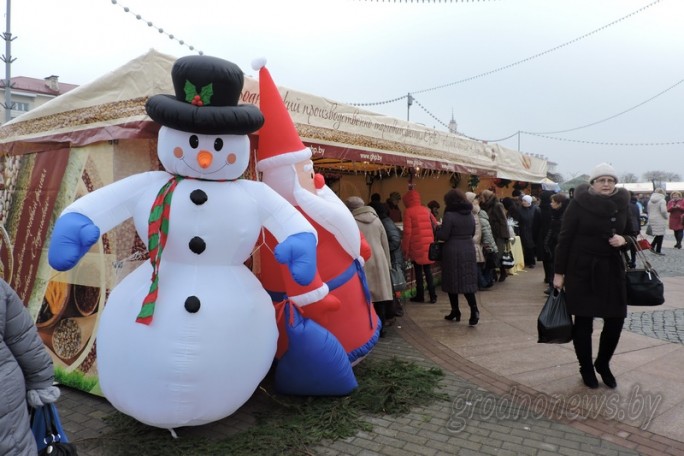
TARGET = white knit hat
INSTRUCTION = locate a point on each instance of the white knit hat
(602, 169)
(527, 199)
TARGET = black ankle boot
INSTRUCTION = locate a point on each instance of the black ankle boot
(474, 316)
(606, 375)
(454, 315)
(589, 377)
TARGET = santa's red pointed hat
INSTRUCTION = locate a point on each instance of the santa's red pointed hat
(279, 142)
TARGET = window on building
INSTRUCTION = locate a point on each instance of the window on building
(24, 107)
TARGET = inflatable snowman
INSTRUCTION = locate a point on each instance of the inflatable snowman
(186, 338)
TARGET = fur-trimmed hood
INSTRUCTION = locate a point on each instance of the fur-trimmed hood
(598, 204)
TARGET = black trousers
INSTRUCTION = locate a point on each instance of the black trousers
(657, 243)
(419, 270)
(581, 339)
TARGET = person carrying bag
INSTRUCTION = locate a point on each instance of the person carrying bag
(589, 266)
(26, 375)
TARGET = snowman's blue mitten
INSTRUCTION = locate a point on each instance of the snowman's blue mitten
(298, 252)
(72, 237)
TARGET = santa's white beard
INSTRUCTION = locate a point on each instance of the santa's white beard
(325, 208)
(332, 214)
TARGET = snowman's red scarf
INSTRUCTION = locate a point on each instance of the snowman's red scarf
(158, 231)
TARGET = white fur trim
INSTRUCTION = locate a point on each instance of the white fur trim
(287, 158)
(258, 63)
(311, 296)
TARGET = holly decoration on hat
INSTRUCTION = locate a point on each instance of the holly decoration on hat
(198, 99)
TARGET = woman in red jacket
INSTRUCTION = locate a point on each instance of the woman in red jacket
(418, 234)
(676, 209)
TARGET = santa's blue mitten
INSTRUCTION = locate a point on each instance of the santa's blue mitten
(72, 237)
(298, 252)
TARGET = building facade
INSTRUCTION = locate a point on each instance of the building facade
(29, 93)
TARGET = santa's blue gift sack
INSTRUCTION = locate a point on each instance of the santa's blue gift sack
(49, 433)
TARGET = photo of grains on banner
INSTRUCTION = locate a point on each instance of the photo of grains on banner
(67, 305)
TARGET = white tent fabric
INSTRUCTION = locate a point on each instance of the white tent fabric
(118, 97)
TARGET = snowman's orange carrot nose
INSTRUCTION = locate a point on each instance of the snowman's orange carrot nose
(204, 158)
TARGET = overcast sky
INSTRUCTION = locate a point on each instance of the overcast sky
(358, 51)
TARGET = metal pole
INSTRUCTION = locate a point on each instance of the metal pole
(409, 102)
(7, 58)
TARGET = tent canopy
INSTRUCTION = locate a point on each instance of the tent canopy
(342, 137)
(637, 186)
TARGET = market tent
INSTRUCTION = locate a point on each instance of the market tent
(674, 186)
(645, 187)
(513, 165)
(548, 184)
(99, 133)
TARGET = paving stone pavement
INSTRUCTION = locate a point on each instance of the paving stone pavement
(480, 417)
(661, 324)
(474, 422)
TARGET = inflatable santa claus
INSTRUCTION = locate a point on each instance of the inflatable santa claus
(338, 298)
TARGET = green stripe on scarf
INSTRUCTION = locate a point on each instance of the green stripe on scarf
(158, 231)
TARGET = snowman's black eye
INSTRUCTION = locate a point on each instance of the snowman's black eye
(194, 141)
(218, 144)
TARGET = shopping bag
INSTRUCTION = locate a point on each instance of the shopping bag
(398, 278)
(49, 434)
(554, 325)
(435, 251)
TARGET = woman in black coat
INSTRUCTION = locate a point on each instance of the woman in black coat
(589, 265)
(459, 263)
(497, 220)
(559, 202)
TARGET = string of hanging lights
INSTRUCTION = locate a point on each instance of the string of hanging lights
(606, 143)
(159, 29)
(519, 62)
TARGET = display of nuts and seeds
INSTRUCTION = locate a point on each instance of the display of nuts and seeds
(66, 340)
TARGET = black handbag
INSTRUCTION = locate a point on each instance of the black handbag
(554, 325)
(435, 251)
(48, 432)
(507, 260)
(644, 287)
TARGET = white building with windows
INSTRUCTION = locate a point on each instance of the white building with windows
(29, 93)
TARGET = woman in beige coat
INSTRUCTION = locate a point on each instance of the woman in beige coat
(377, 268)
(657, 219)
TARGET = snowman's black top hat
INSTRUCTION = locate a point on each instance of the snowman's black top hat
(206, 100)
